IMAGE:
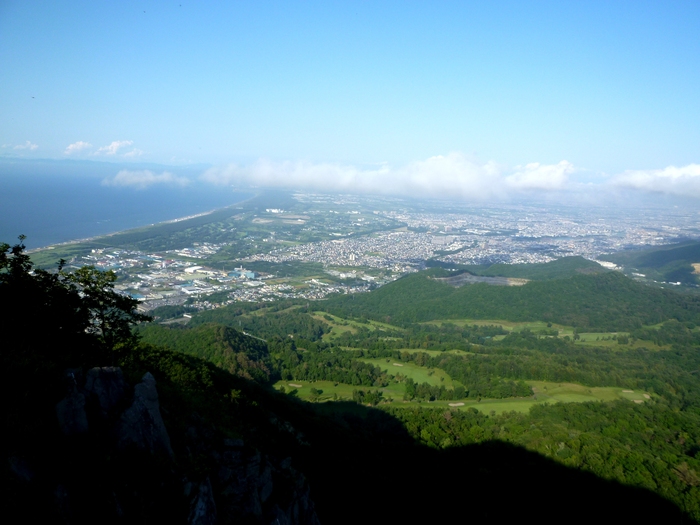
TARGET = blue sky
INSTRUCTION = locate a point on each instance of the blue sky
(370, 93)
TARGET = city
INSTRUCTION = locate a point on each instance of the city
(252, 261)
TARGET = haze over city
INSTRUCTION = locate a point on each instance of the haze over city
(458, 100)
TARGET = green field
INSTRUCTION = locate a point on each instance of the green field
(545, 392)
(261, 312)
(420, 374)
(48, 258)
(485, 405)
(599, 339)
(341, 325)
(432, 353)
(342, 391)
(596, 339)
(506, 325)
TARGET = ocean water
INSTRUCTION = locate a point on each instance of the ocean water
(51, 206)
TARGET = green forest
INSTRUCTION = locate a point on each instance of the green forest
(649, 342)
(673, 263)
(370, 397)
(595, 302)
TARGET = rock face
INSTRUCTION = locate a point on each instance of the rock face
(248, 486)
(117, 465)
(203, 508)
(107, 386)
(71, 414)
(141, 425)
(259, 489)
(21, 469)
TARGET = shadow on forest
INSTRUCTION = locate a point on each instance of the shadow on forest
(367, 469)
(361, 463)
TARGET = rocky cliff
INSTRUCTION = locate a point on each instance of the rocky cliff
(115, 462)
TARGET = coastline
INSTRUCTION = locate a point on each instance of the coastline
(111, 234)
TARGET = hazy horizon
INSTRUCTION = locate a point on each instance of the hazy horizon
(470, 101)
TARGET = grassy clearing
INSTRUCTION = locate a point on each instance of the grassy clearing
(337, 325)
(371, 325)
(420, 374)
(262, 312)
(596, 339)
(545, 392)
(341, 325)
(506, 325)
(47, 258)
(591, 339)
(342, 391)
(431, 353)
(485, 405)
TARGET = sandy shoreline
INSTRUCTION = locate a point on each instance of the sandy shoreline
(104, 235)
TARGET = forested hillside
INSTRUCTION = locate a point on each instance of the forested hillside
(205, 420)
(605, 302)
(673, 263)
(225, 347)
(559, 268)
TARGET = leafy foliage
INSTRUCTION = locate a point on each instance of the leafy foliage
(650, 446)
(447, 336)
(605, 302)
(221, 345)
(557, 269)
(69, 307)
(56, 320)
(171, 312)
(286, 323)
(319, 362)
(111, 314)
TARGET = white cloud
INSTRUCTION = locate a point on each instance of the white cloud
(27, 145)
(684, 181)
(77, 147)
(144, 178)
(536, 176)
(114, 147)
(442, 176)
(134, 153)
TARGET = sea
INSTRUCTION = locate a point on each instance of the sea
(53, 202)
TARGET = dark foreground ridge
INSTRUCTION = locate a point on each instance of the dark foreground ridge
(105, 455)
(101, 428)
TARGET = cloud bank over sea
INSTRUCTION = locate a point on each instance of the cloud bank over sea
(455, 176)
(442, 176)
(142, 179)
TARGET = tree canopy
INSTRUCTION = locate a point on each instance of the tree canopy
(47, 309)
